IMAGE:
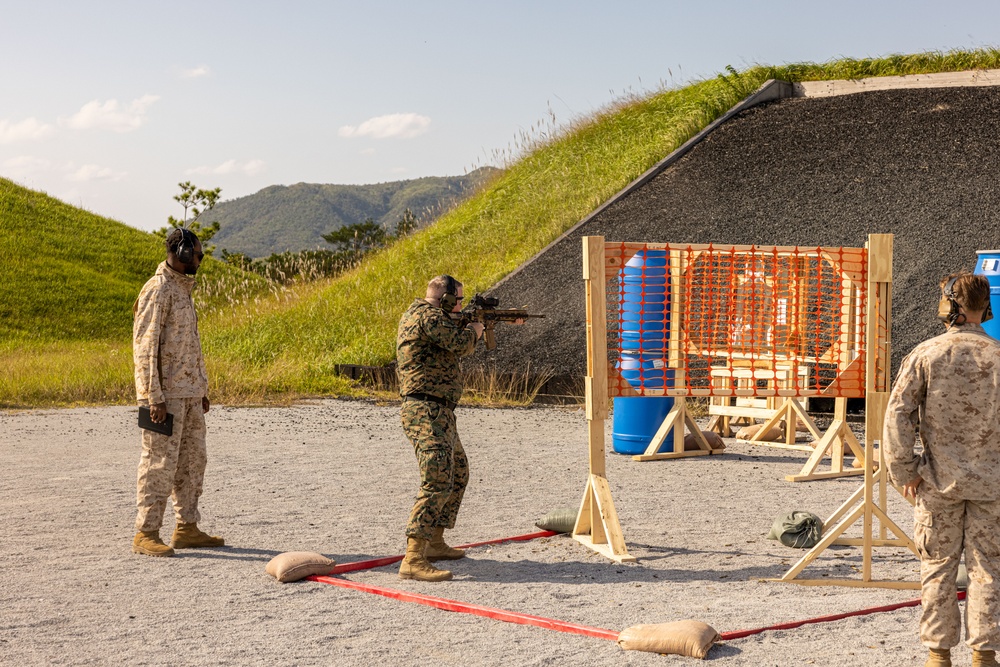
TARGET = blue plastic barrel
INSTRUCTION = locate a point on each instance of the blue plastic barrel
(988, 264)
(645, 333)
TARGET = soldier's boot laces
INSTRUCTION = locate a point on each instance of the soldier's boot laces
(438, 550)
(984, 659)
(189, 536)
(416, 566)
(148, 543)
(938, 657)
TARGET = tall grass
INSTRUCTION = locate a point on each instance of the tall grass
(287, 342)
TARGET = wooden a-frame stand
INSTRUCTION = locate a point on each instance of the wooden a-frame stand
(675, 421)
(862, 504)
(835, 442)
(597, 524)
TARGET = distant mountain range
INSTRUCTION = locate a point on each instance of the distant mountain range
(295, 217)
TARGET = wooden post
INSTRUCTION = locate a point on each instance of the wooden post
(597, 524)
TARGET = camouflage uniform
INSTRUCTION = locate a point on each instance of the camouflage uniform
(428, 346)
(950, 385)
(169, 368)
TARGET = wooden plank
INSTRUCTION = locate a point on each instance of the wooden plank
(582, 525)
(675, 455)
(664, 430)
(979, 77)
(824, 475)
(604, 549)
(602, 494)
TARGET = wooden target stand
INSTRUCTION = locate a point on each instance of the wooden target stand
(869, 503)
(597, 525)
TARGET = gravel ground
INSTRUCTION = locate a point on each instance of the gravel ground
(338, 477)
(920, 164)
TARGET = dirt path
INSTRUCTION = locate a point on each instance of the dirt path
(338, 477)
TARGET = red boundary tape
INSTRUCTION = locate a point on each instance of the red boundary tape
(549, 623)
(736, 634)
(475, 609)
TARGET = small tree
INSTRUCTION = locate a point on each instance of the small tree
(195, 201)
(358, 239)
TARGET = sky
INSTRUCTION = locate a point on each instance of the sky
(109, 105)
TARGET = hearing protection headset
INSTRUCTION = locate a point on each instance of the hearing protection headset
(450, 297)
(948, 307)
(185, 249)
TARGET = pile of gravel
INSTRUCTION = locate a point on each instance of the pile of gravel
(920, 164)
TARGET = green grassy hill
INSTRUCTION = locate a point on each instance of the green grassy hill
(287, 345)
(67, 274)
(295, 217)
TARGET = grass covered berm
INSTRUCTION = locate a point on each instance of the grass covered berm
(70, 278)
(287, 344)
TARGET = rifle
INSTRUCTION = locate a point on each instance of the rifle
(484, 309)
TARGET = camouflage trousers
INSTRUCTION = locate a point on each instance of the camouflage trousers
(444, 468)
(943, 529)
(172, 466)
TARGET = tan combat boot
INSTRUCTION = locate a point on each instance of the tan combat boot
(416, 566)
(187, 536)
(939, 657)
(438, 550)
(984, 659)
(148, 543)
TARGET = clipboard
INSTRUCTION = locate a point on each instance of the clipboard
(145, 422)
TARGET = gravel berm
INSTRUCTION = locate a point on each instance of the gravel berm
(338, 477)
(920, 164)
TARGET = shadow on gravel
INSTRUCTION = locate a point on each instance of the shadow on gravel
(525, 572)
(722, 651)
(228, 553)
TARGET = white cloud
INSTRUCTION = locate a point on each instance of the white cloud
(394, 125)
(21, 167)
(94, 172)
(195, 72)
(29, 128)
(249, 167)
(110, 115)
(368, 151)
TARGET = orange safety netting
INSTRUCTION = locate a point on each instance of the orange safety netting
(726, 320)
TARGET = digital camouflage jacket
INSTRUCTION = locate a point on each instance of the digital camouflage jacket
(950, 386)
(166, 347)
(428, 346)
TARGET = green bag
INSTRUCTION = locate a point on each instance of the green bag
(797, 529)
(559, 520)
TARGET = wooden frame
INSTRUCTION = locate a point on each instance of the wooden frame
(862, 504)
(597, 525)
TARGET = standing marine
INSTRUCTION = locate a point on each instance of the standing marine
(170, 379)
(949, 389)
(428, 346)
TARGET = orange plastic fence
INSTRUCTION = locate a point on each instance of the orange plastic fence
(729, 320)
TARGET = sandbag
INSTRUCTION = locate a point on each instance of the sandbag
(690, 638)
(774, 434)
(797, 529)
(295, 565)
(560, 520)
(714, 441)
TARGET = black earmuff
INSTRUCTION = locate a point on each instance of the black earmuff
(450, 297)
(185, 249)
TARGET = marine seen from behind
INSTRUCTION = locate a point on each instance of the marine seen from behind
(171, 383)
(429, 343)
(948, 390)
